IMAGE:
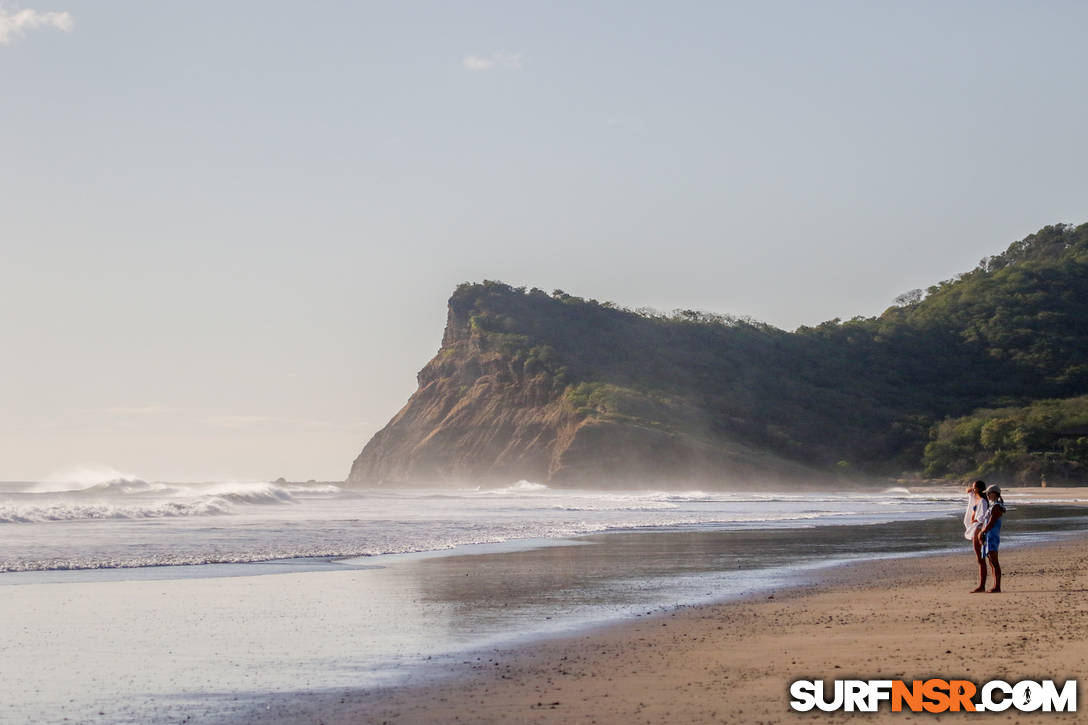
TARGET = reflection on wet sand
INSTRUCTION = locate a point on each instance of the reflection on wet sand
(608, 575)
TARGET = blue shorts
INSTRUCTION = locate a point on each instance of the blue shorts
(990, 541)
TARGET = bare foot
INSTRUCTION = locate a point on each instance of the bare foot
(977, 590)
(995, 590)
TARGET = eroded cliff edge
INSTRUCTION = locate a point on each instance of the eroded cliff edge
(528, 385)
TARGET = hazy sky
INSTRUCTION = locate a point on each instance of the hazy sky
(229, 229)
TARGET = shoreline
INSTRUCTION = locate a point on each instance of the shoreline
(229, 644)
(732, 662)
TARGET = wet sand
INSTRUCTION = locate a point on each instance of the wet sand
(732, 663)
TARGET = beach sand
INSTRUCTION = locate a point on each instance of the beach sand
(732, 663)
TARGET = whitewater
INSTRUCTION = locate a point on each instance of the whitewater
(119, 521)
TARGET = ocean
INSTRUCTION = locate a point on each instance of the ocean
(126, 522)
(125, 600)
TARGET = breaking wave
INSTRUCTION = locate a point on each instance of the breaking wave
(134, 498)
(521, 487)
(77, 512)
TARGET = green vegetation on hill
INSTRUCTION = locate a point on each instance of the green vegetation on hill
(927, 383)
(1047, 439)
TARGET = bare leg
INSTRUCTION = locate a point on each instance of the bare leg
(981, 567)
(997, 572)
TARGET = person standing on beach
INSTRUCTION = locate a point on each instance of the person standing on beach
(977, 506)
(989, 534)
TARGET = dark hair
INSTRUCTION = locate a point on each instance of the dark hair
(979, 486)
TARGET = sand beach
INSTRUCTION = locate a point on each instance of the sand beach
(732, 663)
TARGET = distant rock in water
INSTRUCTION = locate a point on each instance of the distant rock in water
(572, 392)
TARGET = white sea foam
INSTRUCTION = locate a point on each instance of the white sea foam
(520, 488)
(66, 511)
(134, 498)
(393, 540)
(76, 478)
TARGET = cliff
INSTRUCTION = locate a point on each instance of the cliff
(498, 404)
(563, 390)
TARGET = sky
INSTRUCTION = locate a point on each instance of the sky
(228, 231)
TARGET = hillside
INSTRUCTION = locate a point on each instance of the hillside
(555, 388)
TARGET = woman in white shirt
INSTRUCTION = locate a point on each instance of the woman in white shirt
(972, 520)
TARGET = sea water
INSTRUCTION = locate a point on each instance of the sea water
(127, 522)
(124, 600)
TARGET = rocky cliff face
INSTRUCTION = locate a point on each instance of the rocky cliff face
(475, 417)
(491, 408)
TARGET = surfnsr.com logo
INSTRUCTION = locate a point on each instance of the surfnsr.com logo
(933, 695)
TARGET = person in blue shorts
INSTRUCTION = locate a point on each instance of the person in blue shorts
(972, 522)
(989, 533)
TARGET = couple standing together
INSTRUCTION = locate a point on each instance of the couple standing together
(985, 507)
